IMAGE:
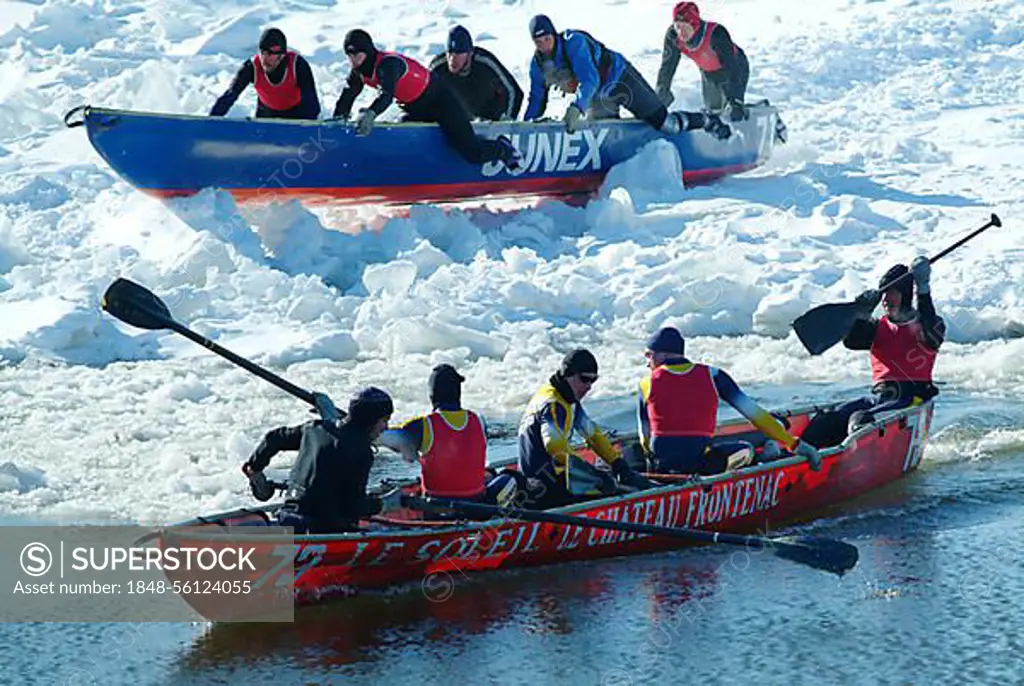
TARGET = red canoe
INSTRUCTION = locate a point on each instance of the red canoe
(761, 498)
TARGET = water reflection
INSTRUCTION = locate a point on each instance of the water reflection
(540, 602)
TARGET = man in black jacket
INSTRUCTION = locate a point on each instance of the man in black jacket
(327, 484)
(903, 344)
(485, 87)
(423, 97)
(283, 80)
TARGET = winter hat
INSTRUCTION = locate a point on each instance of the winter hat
(273, 40)
(541, 26)
(579, 361)
(688, 13)
(358, 40)
(459, 40)
(667, 340)
(369, 405)
(445, 385)
(905, 286)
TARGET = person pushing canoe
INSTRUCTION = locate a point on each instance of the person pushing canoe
(677, 414)
(485, 87)
(283, 80)
(724, 67)
(327, 484)
(423, 98)
(603, 81)
(903, 345)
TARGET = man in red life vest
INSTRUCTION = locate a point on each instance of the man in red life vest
(678, 412)
(450, 445)
(423, 98)
(283, 80)
(723, 65)
(903, 343)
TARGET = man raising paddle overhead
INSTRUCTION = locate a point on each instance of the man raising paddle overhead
(327, 484)
(903, 343)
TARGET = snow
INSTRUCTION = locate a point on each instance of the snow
(906, 124)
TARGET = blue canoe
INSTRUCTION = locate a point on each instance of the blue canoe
(262, 160)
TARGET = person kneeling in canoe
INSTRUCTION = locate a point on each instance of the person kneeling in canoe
(603, 80)
(555, 475)
(284, 82)
(327, 484)
(723, 65)
(424, 99)
(678, 413)
(904, 343)
(450, 445)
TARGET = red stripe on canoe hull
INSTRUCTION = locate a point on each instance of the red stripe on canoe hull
(437, 192)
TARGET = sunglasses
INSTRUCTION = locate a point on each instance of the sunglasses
(588, 378)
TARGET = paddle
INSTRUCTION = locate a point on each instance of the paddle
(136, 305)
(820, 553)
(822, 327)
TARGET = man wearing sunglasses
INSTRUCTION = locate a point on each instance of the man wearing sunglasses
(678, 413)
(555, 474)
(423, 98)
(723, 64)
(283, 80)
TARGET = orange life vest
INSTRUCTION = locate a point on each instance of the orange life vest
(278, 96)
(705, 57)
(453, 465)
(682, 401)
(410, 85)
(898, 353)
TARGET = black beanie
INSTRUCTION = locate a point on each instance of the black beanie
(273, 40)
(905, 286)
(358, 40)
(579, 361)
(369, 406)
(445, 385)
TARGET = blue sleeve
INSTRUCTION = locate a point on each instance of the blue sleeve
(538, 93)
(577, 48)
(413, 431)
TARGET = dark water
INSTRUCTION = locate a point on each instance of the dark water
(936, 598)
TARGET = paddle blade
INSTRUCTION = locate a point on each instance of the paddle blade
(826, 554)
(136, 305)
(824, 326)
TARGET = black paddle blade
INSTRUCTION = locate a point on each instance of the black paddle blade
(822, 327)
(826, 554)
(136, 305)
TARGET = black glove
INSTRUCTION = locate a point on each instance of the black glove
(737, 111)
(867, 301)
(714, 125)
(262, 489)
(621, 468)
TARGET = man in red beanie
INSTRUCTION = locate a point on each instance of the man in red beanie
(723, 64)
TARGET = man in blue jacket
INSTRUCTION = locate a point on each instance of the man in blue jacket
(603, 81)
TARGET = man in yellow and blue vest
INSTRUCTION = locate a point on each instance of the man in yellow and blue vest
(555, 474)
(678, 413)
